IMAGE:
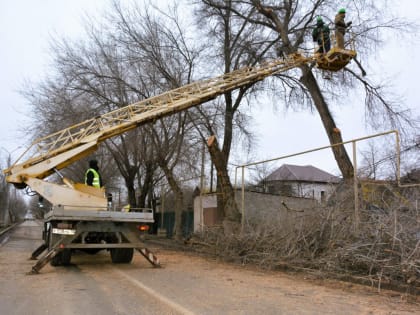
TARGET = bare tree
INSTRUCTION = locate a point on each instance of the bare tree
(235, 43)
(176, 155)
(170, 59)
(143, 55)
(12, 205)
(4, 194)
(369, 164)
(91, 79)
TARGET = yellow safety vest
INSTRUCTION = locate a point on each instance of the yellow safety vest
(96, 181)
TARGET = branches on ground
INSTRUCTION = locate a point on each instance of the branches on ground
(385, 249)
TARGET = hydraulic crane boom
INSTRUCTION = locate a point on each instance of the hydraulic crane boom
(54, 152)
(81, 139)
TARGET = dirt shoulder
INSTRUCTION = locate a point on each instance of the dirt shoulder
(357, 285)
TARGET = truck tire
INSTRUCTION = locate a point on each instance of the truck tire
(62, 258)
(121, 255)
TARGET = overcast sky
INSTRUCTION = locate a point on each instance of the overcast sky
(26, 27)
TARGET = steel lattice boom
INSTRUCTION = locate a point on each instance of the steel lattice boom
(73, 140)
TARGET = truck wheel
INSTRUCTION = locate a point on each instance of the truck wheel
(62, 258)
(121, 255)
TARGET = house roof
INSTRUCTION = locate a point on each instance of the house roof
(307, 173)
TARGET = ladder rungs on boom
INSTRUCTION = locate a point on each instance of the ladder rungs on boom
(118, 121)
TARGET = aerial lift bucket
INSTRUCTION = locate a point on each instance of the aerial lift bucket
(336, 58)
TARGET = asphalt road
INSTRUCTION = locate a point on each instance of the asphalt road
(185, 285)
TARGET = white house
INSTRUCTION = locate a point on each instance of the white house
(301, 181)
(288, 187)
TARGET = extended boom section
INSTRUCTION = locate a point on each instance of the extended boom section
(81, 139)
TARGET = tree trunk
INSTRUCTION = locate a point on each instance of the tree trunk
(232, 216)
(179, 200)
(334, 134)
(146, 186)
(131, 192)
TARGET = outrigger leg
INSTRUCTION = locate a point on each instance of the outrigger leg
(44, 260)
(48, 256)
(151, 258)
(38, 251)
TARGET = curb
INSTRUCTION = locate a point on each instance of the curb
(7, 229)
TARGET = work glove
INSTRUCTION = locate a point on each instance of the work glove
(349, 23)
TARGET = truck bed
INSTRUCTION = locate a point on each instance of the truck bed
(60, 213)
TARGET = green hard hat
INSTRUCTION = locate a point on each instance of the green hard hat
(342, 10)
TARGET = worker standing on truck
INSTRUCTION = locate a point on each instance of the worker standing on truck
(92, 175)
(340, 27)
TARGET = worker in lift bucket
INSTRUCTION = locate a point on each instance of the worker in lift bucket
(321, 35)
(340, 27)
(92, 175)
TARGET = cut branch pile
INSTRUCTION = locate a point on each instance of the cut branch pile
(384, 249)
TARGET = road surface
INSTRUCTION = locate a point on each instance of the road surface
(186, 284)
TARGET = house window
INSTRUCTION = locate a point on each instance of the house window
(322, 196)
